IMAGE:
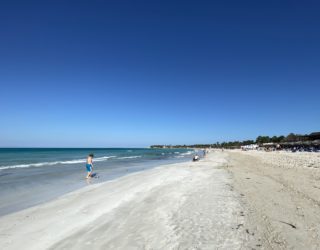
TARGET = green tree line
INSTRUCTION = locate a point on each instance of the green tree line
(259, 140)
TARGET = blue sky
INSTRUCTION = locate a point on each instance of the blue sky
(135, 73)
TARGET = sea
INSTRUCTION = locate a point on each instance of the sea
(31, 176)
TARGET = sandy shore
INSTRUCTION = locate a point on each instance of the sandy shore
(230, 200)
(178, 206)
(281, 196)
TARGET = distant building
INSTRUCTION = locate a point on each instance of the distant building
(249, 147)
(314, 136)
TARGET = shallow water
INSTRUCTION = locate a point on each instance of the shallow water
(32, 176)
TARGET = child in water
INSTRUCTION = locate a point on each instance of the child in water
(89, 166)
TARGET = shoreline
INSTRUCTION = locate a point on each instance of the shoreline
(24, 188)
(228, 200)
(157, 208)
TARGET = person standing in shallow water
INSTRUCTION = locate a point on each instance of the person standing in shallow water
(89, 166)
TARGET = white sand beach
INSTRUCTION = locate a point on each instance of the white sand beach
(229, 200)
(281, 192)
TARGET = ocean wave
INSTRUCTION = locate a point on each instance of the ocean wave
(41, 164)
(103, 158)
(188, 153)
(130, 157)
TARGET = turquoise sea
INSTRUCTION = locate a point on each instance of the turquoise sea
(30, 176)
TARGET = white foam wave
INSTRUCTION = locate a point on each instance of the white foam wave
(41, 164)
(104, 158)
(188, 153)
(130, 157)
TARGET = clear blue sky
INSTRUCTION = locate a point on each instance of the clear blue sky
(135, 73)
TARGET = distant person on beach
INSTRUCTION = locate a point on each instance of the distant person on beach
(195, 158)
(89, 166)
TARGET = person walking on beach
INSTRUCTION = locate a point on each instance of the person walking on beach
(89, 166)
